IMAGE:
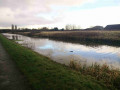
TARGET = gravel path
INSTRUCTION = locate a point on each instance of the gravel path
(10, 77)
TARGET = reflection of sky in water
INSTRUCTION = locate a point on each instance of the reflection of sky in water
(49, 46)
(65, 51)
(87, 53)
(98, 56)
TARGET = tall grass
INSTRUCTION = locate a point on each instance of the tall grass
(111, 77)
(112, 35)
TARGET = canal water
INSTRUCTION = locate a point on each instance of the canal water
(64, 52)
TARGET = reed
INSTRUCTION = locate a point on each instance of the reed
(110, 76)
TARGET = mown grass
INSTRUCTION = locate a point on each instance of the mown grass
(110, 76)
(45, 74)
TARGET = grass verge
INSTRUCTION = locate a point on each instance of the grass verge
(43, 73)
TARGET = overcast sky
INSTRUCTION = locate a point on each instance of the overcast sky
(58, 13)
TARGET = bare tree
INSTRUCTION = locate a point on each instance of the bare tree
(71, 27)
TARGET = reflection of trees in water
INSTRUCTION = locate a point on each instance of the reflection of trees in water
(15, 37)
(87, 42)
(29, 44)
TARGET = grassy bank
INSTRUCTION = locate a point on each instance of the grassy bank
(83, 37)
(42, 73)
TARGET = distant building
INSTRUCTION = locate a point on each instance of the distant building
(113, 27)
(96, 28)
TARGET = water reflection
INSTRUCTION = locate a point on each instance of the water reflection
(63, 52)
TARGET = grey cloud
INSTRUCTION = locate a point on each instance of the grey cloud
(23, 12)
(13, 4)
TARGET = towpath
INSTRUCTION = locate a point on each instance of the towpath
(10, 77)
